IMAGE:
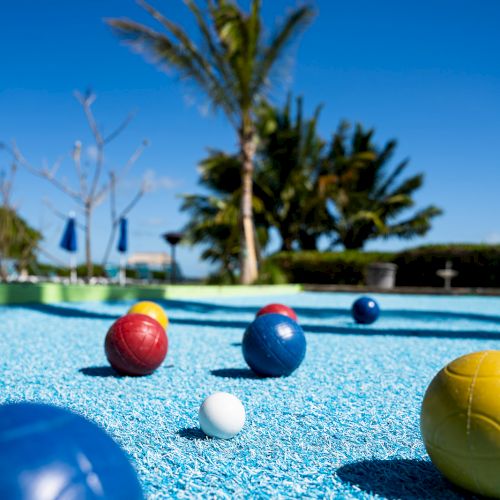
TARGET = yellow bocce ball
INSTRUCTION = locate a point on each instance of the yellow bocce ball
(460, 422)
(152, 310)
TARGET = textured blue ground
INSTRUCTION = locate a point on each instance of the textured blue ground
(345, 425)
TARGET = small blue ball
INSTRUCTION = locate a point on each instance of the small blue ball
(365, 310)
(274, 345)
(49, 452)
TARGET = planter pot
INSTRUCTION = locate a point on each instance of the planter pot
(381, 275)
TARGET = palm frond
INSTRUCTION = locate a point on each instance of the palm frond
(410, 185)
(166, 53)
(295, 22)
(213, 48)
(387, 183)
(416, 225)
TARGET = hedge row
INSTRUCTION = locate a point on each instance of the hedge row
(342, 268)
(477, 265)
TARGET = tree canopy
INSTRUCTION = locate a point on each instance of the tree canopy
(233, 64)
(18, 240)
(346, 191)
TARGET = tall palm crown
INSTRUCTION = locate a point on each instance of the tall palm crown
(368, 198)
(232, 64)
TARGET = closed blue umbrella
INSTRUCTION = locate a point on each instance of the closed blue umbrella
(123, 247)
(123, 238)
(69, 243)
(68, 240)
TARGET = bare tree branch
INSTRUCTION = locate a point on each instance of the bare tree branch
(51, 257)
(132, 204)
(112, 194)
(124, 171)
(55, 167)
(44, 173)
(86, 102)
(76, 156)
(60, 214)
(120, 128)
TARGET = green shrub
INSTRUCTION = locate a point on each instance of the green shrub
(342, 268)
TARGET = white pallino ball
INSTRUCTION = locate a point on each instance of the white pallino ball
(221, 415)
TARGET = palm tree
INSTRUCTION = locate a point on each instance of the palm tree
(367, 199)
(233, 66)
(214, 217)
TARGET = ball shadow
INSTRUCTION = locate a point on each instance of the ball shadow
(100, 371)
(400, 479)
(108, 371)
(235, 373)
(192, 433)
(236, 344)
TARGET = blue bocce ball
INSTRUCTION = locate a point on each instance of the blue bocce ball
(48, 452)
(365, 310)
(274, 345)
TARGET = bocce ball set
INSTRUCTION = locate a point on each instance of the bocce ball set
(50, 452)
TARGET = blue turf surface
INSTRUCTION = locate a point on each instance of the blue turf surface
(345, 425)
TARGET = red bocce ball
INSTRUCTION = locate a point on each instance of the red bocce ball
(136, 344)
(278, 309)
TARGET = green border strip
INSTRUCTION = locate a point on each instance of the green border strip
(50, 293)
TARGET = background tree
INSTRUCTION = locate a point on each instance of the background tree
(233, 66)
(368, 199)
(18, 240)
(93, 187)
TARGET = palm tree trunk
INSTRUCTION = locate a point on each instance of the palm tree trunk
(248, 252)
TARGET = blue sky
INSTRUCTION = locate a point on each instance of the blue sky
(426, 73)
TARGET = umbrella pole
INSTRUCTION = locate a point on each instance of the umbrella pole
(122, 275)
(72, 264)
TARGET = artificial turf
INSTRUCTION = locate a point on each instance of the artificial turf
(345, 425)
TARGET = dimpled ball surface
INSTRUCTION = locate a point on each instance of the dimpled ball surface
(136, 344)
(221, 415)
(365, 310)
(277, 309)
(274, 345)
(460, 422)
(47, 452)
(151, 309)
